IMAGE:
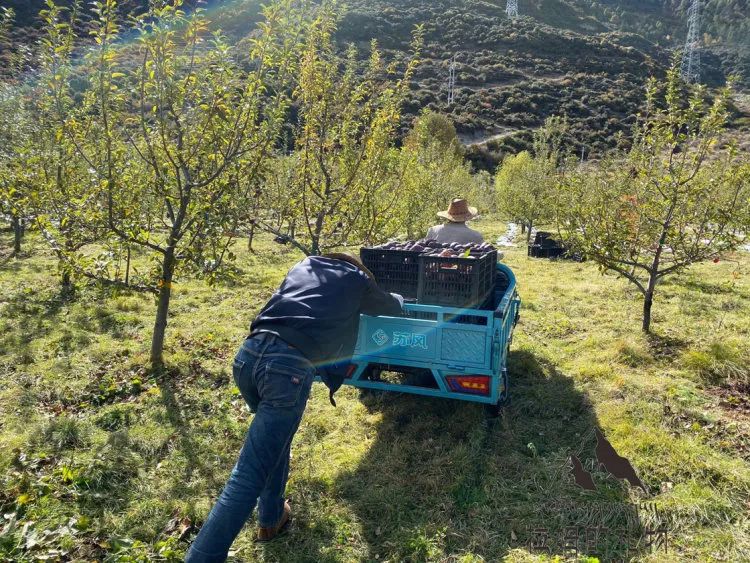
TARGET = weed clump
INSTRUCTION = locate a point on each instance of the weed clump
(633, 355)
(115, 417)
(720, 363)
(63, 433)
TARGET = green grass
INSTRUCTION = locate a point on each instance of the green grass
(101, 460)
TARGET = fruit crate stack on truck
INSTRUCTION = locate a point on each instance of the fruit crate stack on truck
(454, 337)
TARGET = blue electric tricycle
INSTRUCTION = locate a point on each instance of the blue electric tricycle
(444, 352)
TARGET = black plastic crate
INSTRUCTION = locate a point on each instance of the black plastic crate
(539, 251)
(394, 270)
(456, 282)
(546, 239)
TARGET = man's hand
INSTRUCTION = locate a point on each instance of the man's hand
(377, 302)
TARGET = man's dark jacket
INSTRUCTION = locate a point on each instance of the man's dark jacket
(317, 309)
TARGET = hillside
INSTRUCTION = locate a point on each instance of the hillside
(586, 60)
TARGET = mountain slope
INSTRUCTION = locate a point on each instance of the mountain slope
(576, 58)
(586, 59)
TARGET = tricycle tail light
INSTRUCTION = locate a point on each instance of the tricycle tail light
(472, 384)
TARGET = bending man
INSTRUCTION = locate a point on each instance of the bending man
(312, 320)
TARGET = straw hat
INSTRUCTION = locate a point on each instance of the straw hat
(459, 211)
(351, 259)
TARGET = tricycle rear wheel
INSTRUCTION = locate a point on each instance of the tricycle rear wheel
(372, 373)
(494, 411)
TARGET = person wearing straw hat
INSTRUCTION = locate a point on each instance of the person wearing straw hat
(455, 230)
(309, 326)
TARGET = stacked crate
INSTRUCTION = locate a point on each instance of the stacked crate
(544, 246)
(465, 282)
(396, 271)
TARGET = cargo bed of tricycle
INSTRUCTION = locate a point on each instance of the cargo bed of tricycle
(443, 351)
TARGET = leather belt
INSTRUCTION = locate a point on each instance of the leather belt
(265, 334)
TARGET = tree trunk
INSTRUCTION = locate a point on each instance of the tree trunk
(528, 232)
(66, 277)
(648, 300)
(162, 310)
(17, 225)
(653, 274)
(65, 281)
(250, 237)
(127, 269)
(648, 297)
(317, 233)
(523, 227)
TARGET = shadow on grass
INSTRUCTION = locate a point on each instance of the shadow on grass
(32, 316)
(709, 288)
(10, 262)
(440, 480)
(194, 455)
(664, 346)
(40, 316)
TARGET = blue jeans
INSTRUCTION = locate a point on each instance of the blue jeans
(275, 381)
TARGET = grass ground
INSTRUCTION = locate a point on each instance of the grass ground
(101, 460)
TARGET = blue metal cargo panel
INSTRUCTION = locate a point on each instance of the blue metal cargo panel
(398, 339)
(467, 347)
(445, 341)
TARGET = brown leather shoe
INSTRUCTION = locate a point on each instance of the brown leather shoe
(267, 534)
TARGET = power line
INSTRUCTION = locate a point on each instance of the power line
(511, 8)
(690, 69)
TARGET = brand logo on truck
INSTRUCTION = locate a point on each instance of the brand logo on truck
(410, 340)
(401, 339)
(380, 337)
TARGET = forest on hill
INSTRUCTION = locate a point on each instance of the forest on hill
(659, 21)
(587, 60)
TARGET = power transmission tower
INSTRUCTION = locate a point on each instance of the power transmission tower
(690, 69)
(452, 80)
(511, 8)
